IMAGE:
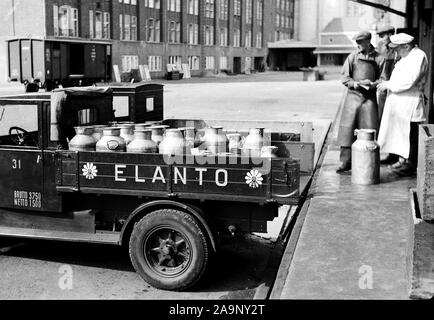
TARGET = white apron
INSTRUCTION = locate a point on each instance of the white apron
(404, 97)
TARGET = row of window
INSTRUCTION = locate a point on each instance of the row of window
(283, 21)
(279, 35)
(285, 5)
(155, 63)
(65, 19)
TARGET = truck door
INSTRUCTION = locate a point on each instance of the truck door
(21, 162)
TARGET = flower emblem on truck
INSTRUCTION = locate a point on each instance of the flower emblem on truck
(254, 179)
(90, 171)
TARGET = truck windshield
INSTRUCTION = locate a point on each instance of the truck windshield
(19, 125)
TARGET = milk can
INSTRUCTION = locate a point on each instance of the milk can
(142, 142)
(83, 140)
(235, 145)
(365, 158)
(173, 143)
(127, 132)
(111, 141)
(157, 133)
(98, 131)
(253, 143)
(215, 140)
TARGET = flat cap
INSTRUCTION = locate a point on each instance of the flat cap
(363, 35)
(400, 38)
(386, 29)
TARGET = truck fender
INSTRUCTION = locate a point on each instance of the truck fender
(148, 207)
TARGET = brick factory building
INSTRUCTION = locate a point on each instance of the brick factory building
(210, 36)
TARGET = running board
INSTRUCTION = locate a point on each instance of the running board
(99, 237)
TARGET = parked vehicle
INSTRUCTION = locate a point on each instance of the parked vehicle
(58, 62)
(171, 212)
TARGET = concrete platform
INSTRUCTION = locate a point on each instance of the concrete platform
(355, 242)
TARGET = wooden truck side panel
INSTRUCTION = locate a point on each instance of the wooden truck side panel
(205, 178)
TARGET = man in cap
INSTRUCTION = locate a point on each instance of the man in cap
(404, 108)
(361, 73)
(390, 57)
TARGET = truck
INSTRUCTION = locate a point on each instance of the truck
(171, 212)
(54, 62)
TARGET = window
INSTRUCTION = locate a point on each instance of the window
(23, 116)
(127, 30)
(237, 8)
(277, 35)
(106, 25)
(129, 62)
(154, 63)
(152, 30)
(259, 12)
(277, 20)
(209, 8)
(121, 26)
(174, 5)
(65, 21)
(133, 28)
(193, 7)
(174, 32)
(224, 63)
(194, 62)
(237, 36)
(248, 39)
(193, 33)
(210, 63)
(249, 12)
(91, 29)
(259, 40)
(223, 36)
(354, 9)
(224, 9)
(176, 60)
(209, 35)
(74, 22)
(98, 24)
(152, 4)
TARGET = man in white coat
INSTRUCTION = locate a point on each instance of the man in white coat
(404, 107)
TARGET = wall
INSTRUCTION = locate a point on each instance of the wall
(19, 18)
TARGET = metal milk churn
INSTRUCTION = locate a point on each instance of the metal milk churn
(365, 158)
(83, 140)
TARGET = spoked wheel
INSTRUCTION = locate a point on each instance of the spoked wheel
(169, 250)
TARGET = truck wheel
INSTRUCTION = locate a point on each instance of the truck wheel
(169, 250)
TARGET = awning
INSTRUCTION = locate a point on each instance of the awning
(334, 50)
(292, 44)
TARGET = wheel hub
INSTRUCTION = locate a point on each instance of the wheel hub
(168, 251)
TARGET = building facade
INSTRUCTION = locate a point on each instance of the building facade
(209, 35)
(323, 31)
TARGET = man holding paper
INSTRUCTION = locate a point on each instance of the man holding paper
(361, 73)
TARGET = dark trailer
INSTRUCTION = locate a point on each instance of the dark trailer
(54, 62)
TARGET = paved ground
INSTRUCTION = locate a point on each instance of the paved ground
(356, 240)
(32, 271)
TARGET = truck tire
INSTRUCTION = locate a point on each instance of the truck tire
(169, 249)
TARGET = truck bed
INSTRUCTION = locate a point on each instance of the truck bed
(224, 178)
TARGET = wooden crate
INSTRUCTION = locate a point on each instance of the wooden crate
(425, 172)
